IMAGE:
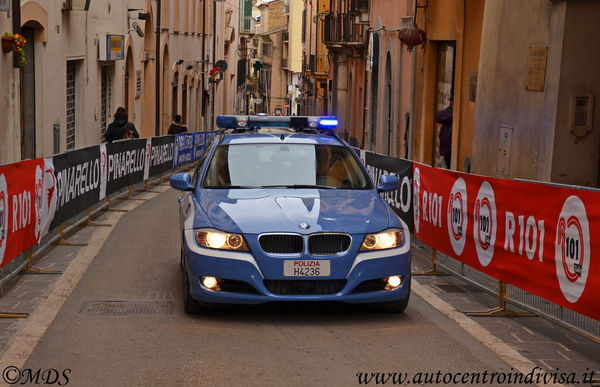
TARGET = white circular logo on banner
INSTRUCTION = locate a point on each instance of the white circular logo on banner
(416, 192)
(484, 223)
(457, 216)
(3, 216)
(572, 248)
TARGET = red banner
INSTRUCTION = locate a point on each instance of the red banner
(21, 187)
(536, 237)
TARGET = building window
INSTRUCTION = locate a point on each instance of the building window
(266, 49)
(105, 98)
(70, 105)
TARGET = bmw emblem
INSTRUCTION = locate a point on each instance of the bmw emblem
(304, 226)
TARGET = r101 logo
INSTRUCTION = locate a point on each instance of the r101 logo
(484, 224)
(530, 232)
(570, 234)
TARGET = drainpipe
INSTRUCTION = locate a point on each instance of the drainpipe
(214, 60)
(203, 69)
(364, 118)
(158, 69)
(16, 26)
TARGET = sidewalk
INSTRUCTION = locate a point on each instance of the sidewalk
(25, 292)
(545, 344)
(537, 340)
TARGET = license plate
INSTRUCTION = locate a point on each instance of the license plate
(306, 268)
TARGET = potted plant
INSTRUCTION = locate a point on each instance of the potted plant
(16, 43)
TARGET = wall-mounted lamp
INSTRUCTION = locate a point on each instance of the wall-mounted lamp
(180, 61)
(189, 67)
(137, 30)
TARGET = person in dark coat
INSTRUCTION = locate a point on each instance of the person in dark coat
(444, 117)
(176, 126)
(121, 128)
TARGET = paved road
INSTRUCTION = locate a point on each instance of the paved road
(290, 344)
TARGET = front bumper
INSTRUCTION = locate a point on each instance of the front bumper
(351, 272)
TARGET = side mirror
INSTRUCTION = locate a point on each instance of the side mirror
(388, 183)
(182, 182)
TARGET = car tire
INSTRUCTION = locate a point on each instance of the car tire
(190, 306)
(394, 307)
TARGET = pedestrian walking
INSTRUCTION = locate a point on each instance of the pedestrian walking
(121, 128)
(444, 117)
(176, 126)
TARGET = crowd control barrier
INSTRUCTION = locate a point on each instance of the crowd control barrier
(542, 239)
(39, 195)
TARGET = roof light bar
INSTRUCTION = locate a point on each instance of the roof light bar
(294, 122)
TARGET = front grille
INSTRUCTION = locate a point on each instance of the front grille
(281, 243)
(305, 286)
(328, 244)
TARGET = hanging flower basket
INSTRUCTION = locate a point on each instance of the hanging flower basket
(16, 43)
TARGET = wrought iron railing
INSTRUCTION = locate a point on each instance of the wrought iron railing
(359, 6)
(341, 28)
(246, 24)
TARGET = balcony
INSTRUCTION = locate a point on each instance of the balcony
(342, 29)
(359, 6)
(246, 24)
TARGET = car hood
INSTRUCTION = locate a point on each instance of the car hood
(272, 210)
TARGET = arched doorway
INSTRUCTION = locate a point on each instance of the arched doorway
(165, 90)
(387, 107)
(28, 119)
(350, 106)
(129, 90)
(184, 95)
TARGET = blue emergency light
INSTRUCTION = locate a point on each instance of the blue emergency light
(328, 122)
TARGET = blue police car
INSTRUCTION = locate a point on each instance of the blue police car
(282, 209)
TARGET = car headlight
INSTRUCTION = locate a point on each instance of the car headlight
(215, 239)
(387, 239)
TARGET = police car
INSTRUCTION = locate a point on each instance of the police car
(282, 209)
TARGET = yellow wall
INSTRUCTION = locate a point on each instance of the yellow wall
(295, 30)
(447, 20)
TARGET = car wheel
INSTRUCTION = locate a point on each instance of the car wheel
(190, 306)
(394, 307)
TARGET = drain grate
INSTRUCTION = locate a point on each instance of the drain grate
(127, 308)
(449, 288)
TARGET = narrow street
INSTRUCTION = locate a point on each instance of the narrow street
(289, 344)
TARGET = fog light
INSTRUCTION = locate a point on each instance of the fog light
(210, 283)
(393, 282)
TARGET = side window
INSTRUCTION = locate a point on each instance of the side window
(196, 175)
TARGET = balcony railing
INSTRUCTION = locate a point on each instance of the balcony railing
(246, 24)
(342, 29)
(357, 6)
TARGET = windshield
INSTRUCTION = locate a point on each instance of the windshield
(286, 166)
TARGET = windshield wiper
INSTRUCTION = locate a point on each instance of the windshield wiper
(299, 186)
(234, 187)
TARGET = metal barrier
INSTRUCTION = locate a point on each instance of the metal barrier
(560, 315)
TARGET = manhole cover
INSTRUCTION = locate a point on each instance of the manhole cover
(127, 308)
